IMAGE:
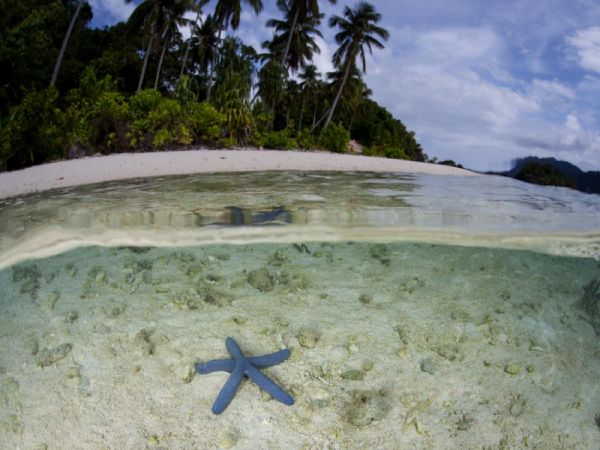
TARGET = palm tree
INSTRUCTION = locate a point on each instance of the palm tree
(63, 48)
(310, 83)
(205, 45)
(228, 12)
(156, 18)
(301, 9)
(357, 30)
(174, 18)
(194, 26)
(293, 43)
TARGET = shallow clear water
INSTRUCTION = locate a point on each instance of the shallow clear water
(420, 312)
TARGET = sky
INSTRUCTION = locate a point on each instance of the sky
(481, 82)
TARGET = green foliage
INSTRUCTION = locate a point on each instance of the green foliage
(157, 121)
(334, 138)
(96, 116)
(279, 140)
(32, 134)
(544, 174)
(306, 140)
(395, 152)
(206, 122)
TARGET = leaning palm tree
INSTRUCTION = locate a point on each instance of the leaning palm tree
(357, 30)
(63, 48)
(294, 40)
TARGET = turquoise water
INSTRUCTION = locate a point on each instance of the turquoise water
(420, 312)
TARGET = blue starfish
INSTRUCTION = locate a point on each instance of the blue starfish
(240, 366)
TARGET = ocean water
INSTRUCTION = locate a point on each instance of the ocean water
(420, 312)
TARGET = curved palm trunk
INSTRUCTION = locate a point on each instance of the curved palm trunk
(289, 41)
(63, 48)
(339, 93)
(302, 112)
(162, 57)
(212, 66)
(146, 58)
(187, 48)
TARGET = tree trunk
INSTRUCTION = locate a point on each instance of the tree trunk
(301, 113)
(63, 48)
(162, 57)
(187, 47)
(289, 41)
(146, 58)
(339, 93)
(212, 65)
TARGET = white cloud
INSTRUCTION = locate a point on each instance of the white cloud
(587, 45)
(117, 10)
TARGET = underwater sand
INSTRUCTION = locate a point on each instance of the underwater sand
(393, 345)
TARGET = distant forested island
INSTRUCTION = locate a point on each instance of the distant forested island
(68, 90)
(553, 172)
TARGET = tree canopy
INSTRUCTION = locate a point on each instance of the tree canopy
(138, 85)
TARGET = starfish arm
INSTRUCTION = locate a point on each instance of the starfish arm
(268, 385)
(269, 360)
(233, 348)
(216, 365)
(229, 389)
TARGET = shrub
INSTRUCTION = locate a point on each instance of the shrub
(279, 140)
(157, 121)
(306, 140)
(334, 138)
(33, 133)
(395, 152)
(205, 121)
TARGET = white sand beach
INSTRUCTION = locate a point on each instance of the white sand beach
(133, 165)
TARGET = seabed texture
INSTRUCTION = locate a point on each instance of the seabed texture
(392, 346)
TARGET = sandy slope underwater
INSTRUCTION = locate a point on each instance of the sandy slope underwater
(394, 345)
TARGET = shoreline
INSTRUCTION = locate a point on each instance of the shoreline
(122, 166)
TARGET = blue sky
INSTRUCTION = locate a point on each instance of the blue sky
(479, 81)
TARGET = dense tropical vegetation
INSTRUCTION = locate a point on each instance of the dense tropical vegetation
(68, 90)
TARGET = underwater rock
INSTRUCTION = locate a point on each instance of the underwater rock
(143, 343)
(354, 374)
(9, 393)
(366, 407)
(186, 373)
(228, 439)
(278, 258)
(292, 280)
(29, 275)
(71, 317)
(365, 299)
(71, 270)
(381, 252)
(261, 279)
(31, 345)
(308, 337)
(428, 365)
(319, 398)
(590, 303)
(512, 369)
(213, 296)
(50, 301)
(48, 356)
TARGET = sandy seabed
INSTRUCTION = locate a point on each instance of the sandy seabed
(392, 346)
